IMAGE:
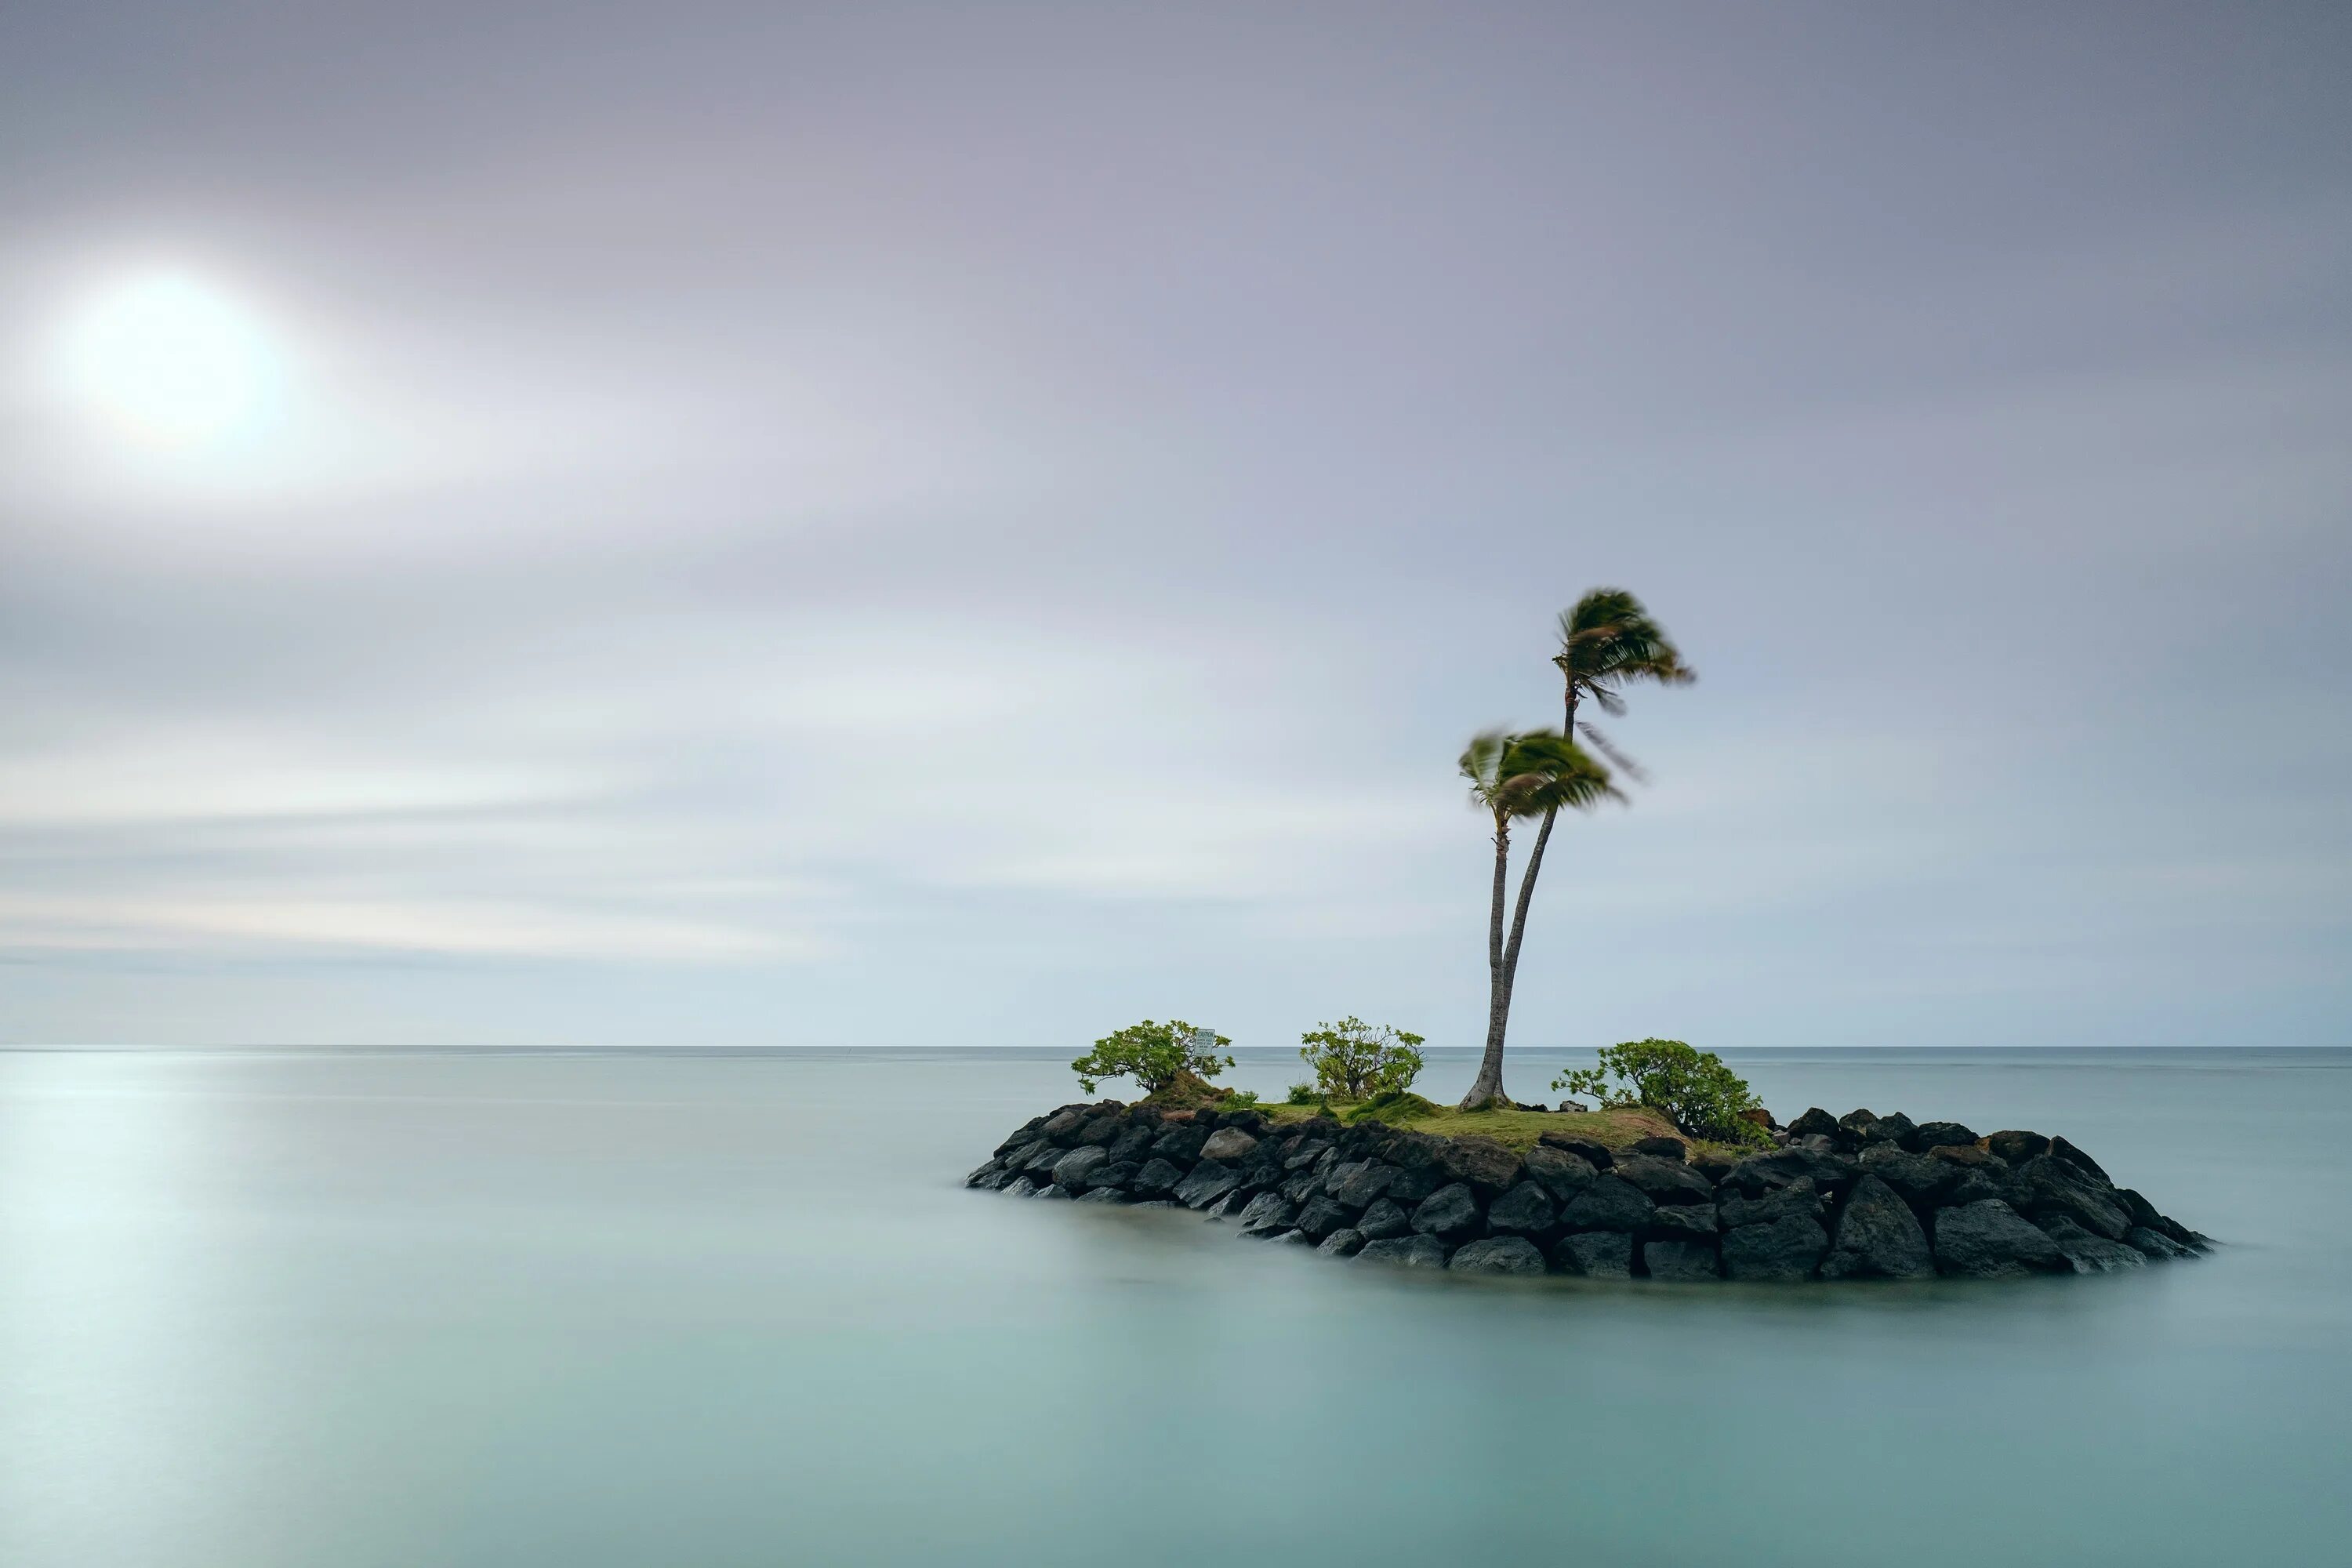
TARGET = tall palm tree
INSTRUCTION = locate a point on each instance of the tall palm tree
(1517, 776)
(1607, 642)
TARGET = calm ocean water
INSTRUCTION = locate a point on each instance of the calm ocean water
(344, 1309)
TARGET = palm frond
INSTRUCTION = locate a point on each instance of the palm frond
(1601, 743)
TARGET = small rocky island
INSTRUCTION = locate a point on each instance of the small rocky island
(1851, 1197)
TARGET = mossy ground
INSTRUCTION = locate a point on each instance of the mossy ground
(1513, 1129)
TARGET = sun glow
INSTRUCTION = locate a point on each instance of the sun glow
(171, 361)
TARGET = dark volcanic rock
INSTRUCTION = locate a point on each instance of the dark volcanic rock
(2047, 1185)
(1856, 1128)
(1664, 1181)
(1207, 1184)
(1413, 1182)
(2016, 1147)
(1810, 1159)
(1043, 1158)
(1932, 1134)
(1680, 1260)
(1020, 1187)
(1989, 1240)
(1102, 1195)
(1526, 1208)
(1787, 1248)
(2092, 1254)
(1407, 1251)
(1308, 1151)
(1063, 1126)
(1024, 1133)
(1921, 1181)
(2062, 1149)
(1058, 1193)
(1384, 1219)
(1359, 1184)
(1683, 1221)
(1228, 1146)
(1268, 1214)
(1498, 1255)
(1099, 1131)
(2154, 1243)
(1449, 1211)
(1322, 1216)
(1342, 1244)
(1878, 1237)
(1983, 1175)
(1608, 1203)
(989, 1175)
(1076, 1170)
(1898, 1127)
(1180, 1145)
(1559, 1173)
(1670, 1150)
(1157, 1179)
(1815, 1122)
(1296, 1238)
(1133, 1144)
(1481, 1162)
(1713, 1163)
(1596, 1155)
(1798, 1199)
(1596, 1254)
(1227, 1207)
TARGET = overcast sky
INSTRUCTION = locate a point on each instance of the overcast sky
(973, 525)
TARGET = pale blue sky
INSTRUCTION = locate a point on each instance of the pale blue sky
(975, 524)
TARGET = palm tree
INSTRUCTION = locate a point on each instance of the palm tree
(1517, 776)
(1608, 641)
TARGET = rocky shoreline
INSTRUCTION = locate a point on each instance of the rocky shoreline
(1851, 1197)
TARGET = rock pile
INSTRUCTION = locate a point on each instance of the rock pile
(1858, 1196)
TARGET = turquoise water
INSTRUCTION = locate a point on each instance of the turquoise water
(445, 1308)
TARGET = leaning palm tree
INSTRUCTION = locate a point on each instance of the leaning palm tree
(1607, 642)
(1517, 776)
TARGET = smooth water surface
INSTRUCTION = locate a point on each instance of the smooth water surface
(358, 1309)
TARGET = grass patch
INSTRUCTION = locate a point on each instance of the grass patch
(1513, 1129)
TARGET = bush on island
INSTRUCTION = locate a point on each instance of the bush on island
(1153, 1054)
(1354, 1061)
(1692, 1088)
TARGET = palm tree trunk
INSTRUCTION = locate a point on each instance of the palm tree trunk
(1487, 1086)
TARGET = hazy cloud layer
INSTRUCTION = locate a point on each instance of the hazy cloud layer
(973, 524)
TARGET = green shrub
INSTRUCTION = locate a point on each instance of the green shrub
(1395, 1106)
(1241, 1098)
(1354, 1061)
(1153, 1054)
(1692, 1088)
(1302, 1094)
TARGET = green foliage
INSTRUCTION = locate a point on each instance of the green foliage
(1532, 773)
(1692, 1088)
(1303, 1094)
(1353, 1060)
(1153, 1054)
(1607, 640)
(1395, 1106)
(1241, 1098)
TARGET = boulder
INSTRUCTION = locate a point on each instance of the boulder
(1918, 1180)
(1856, 1128)
(1228, 1145)
(1663, 1181)
(1787, 1248)
(1667, 1149)
(1413, 1182)
(1227, 1207)
(1596, 1255)
(1987, 1240)
(1296, 1238)
(1359, 1184)
(1898, 1127)
(1713, 1163)
(1384, 1219)
(1180, 1145)
(1798, 1199)
(1935, 1134)
(2154, 1243)
(2062, 1149)
(1878, 1237)
(1321, 1216)
(1610, 1202)
(1207, 1184)
(2047, 1185)
(1595, 1154)
(1405, 1251)
(1480, 1162)
(1024, 1133)
(1157, 1179)
(1058, 1193)
(1020, 1187)
(1983, 1175)
(1683, 1221)
(1813, 1122)
(1062, 1127)
(1268, 1214)
(1451, 1211)
(1043, 1158)
(1681, 1261)
(1100, 1129)
(989, 1175)
(1306, 1153)
(2092, 1254)
(1076, 1170)
(1342, 1244)
(1560, 1173)
(2016, 1147)
(1102, 1195)
(1133, 1144)
(1812, 1160)
(1498, 1255)
(1524, 1209)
